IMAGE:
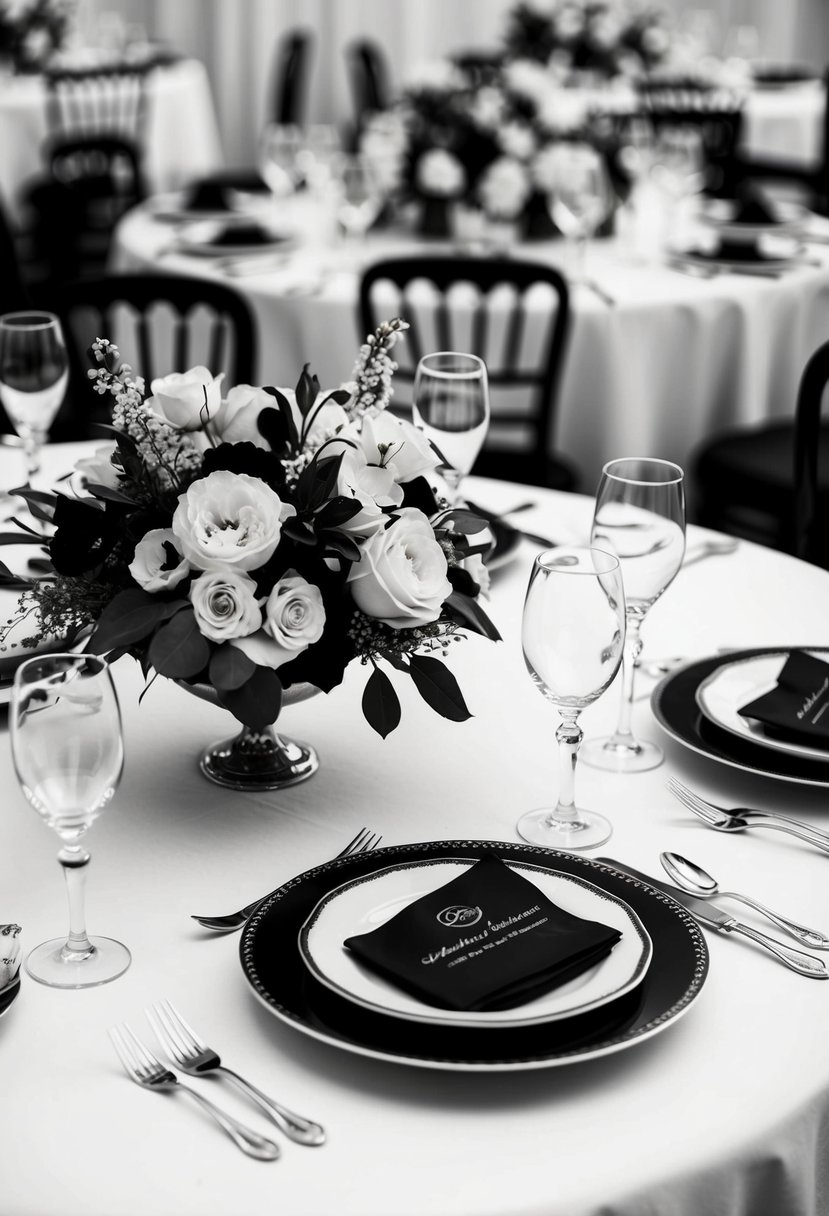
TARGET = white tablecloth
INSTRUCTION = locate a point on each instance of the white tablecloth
(676, 359)
(181, 140)
(725, 1113)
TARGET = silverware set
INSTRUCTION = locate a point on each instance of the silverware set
(740, 819)
(192, 1055)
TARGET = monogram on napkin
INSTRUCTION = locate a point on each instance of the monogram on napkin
(9, 954)
(798, 708)
(489, 939)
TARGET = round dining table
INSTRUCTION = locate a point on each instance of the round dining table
(659, 356)
(181, 139)
(723, 1111)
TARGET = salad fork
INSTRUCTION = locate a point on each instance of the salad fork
(147, 1070)
(193, 1056)
(737, 819)
(363, 842)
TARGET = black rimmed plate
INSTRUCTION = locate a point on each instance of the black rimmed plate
(274, 967)
(674, 704)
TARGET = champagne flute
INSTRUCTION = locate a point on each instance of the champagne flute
(279, 147)
(450, 404)
(639, 516)
(68, 755)
(34, 372)
(580, 199)
(359, 197)
(573, 635)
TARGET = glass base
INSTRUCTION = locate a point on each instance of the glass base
(544, 826)
(53, 964)
(613, 757)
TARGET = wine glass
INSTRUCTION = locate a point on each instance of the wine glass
(34, 372)
(573, 635)
(359, 197)
(639, 516)
(580, 199)
(68, 755)
(279, 148)
(450, 404)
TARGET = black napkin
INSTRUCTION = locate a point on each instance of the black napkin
(243, 234)
(489, 939)
(735, 251)
(798, 708)
(206, 196)
(753, 210)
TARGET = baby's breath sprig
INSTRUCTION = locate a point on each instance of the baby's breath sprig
(374, 369)
(373, 639)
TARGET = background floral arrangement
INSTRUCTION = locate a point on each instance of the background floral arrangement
(265, 538)
(488, 139)
(607, 37)
(32, 31)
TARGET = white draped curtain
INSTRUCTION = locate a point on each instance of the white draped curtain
(236, 39)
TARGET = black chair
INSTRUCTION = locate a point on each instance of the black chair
(811, 183)
(368, 76)
(718, 119)
(289, 89)
(492, 320)
(14, 295)
(770, 483)
(161, 324)
(96, 101)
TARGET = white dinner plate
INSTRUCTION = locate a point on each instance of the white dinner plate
(369, 901)
(200, 240)
(726, 690)
(719, 213)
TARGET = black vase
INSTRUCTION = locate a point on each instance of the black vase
(435, 217)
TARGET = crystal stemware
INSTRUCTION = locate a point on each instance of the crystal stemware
(279, 148)
(639, 516)
(450, 404)
(580, 200)
(359, 197)
(68, 755)
(573, 634)
(34, 372)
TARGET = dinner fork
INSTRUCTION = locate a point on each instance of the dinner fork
(737, 819)
(147, 1070)
(363, 842)
(193, 1056)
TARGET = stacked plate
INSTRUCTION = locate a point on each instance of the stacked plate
(698, 705)
(293, 956)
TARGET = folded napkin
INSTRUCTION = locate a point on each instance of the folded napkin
(489, 939)
(244, 234)
(735, 251)
(798, 708)
(206, 196)
(9, 954)
(753, 210)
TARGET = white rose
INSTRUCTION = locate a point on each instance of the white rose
(518, 140)
(504, 188)
(225, 604)
(229, 521)
(401, 575)
(98, 468)
(187, 400)
(237, 417)
(440, 173)
(294, 620)
(154, 566)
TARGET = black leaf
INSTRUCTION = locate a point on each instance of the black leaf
(381, 707)
(438, 687)
(470, 614)
(258, 702)
(178, 649)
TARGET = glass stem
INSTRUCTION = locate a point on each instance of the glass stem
(74, 861)
(32, 445)
(581, 258)
(633, 649)
(569, 735)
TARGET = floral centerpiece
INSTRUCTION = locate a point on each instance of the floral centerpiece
(32, 31)
(253, 541)
(486, 141)
(605, 38)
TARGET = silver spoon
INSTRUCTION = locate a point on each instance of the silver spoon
(694, 879)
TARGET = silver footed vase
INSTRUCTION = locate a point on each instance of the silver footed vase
(257, 759)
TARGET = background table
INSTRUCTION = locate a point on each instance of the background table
(785, 122)
(724, 1113)
(181, 139)
(676, 359)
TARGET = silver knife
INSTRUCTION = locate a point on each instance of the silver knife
(712, 917)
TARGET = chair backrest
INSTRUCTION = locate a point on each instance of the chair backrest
(100, 101)
(811, 527)
(292, 62)
(160, 323)
(368, 75)
(100, 167)
(717, 116)
(515, 315)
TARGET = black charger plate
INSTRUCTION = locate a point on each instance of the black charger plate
(273, 965)
(675, 708)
